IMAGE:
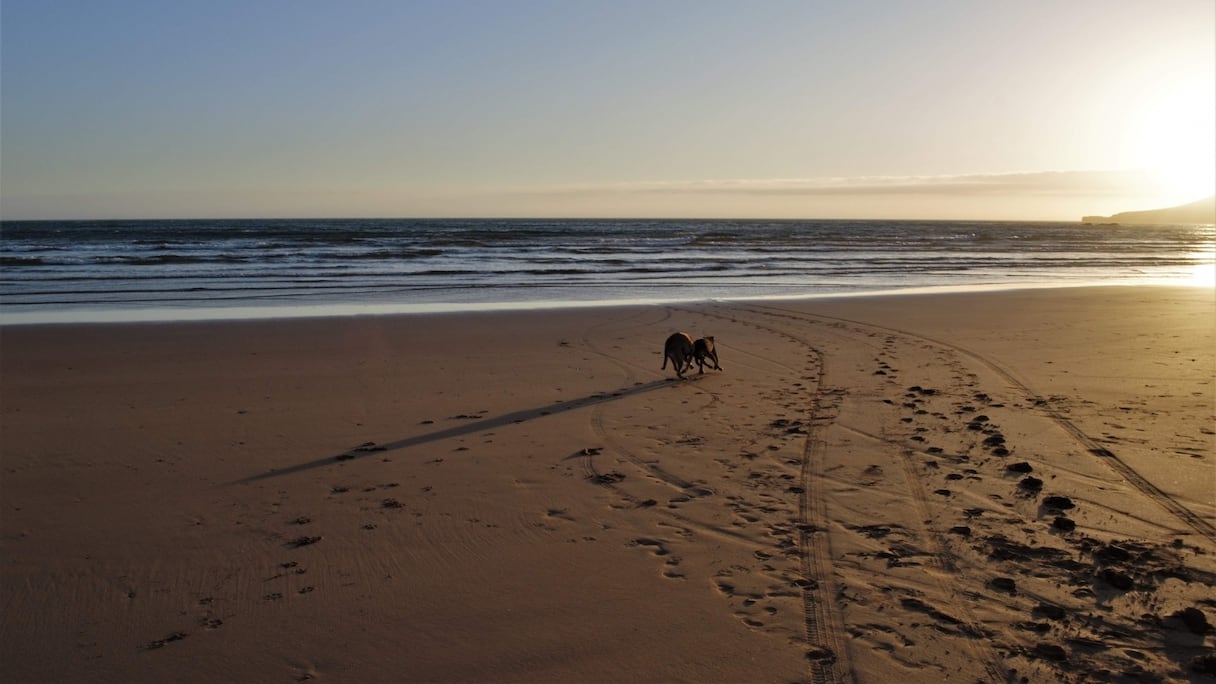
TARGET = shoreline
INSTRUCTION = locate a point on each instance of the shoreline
(527, 496)
(349, 310)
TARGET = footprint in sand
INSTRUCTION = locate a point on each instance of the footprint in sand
(160, 643)
(1064, 524)
(656, 546)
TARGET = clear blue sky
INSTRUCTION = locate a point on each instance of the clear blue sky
(1033, 109)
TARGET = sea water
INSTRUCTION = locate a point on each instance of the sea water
(75, 271)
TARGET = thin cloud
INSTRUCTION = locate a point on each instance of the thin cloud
(1057, 183)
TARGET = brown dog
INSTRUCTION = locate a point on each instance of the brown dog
(678, 348)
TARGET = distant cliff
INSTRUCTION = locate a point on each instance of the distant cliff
(1203, 211)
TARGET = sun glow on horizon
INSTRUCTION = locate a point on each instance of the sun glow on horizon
(1172, 135)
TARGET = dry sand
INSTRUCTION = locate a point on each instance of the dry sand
(979, 487)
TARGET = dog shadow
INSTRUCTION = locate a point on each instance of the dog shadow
(475, 426)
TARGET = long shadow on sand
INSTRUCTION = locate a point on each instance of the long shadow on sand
(478, 425)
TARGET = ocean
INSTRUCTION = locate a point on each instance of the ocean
(86, 271)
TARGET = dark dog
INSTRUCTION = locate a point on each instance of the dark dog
(703, 351)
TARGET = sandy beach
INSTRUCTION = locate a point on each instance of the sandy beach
(1013, 486)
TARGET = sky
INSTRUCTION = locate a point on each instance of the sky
(1027, 110)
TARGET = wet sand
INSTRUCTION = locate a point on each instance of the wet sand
(970, 487)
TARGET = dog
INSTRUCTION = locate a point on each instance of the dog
(678, 348)
(703, 351)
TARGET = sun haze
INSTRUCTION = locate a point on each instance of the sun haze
(1034, 110)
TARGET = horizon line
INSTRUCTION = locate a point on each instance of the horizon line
(527, 218)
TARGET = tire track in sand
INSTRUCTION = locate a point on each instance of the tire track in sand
(824, 414)
(1108, 457)
(826, 640)
(811, 579)
(1028, 653)
(684, 487)
(630, 371)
